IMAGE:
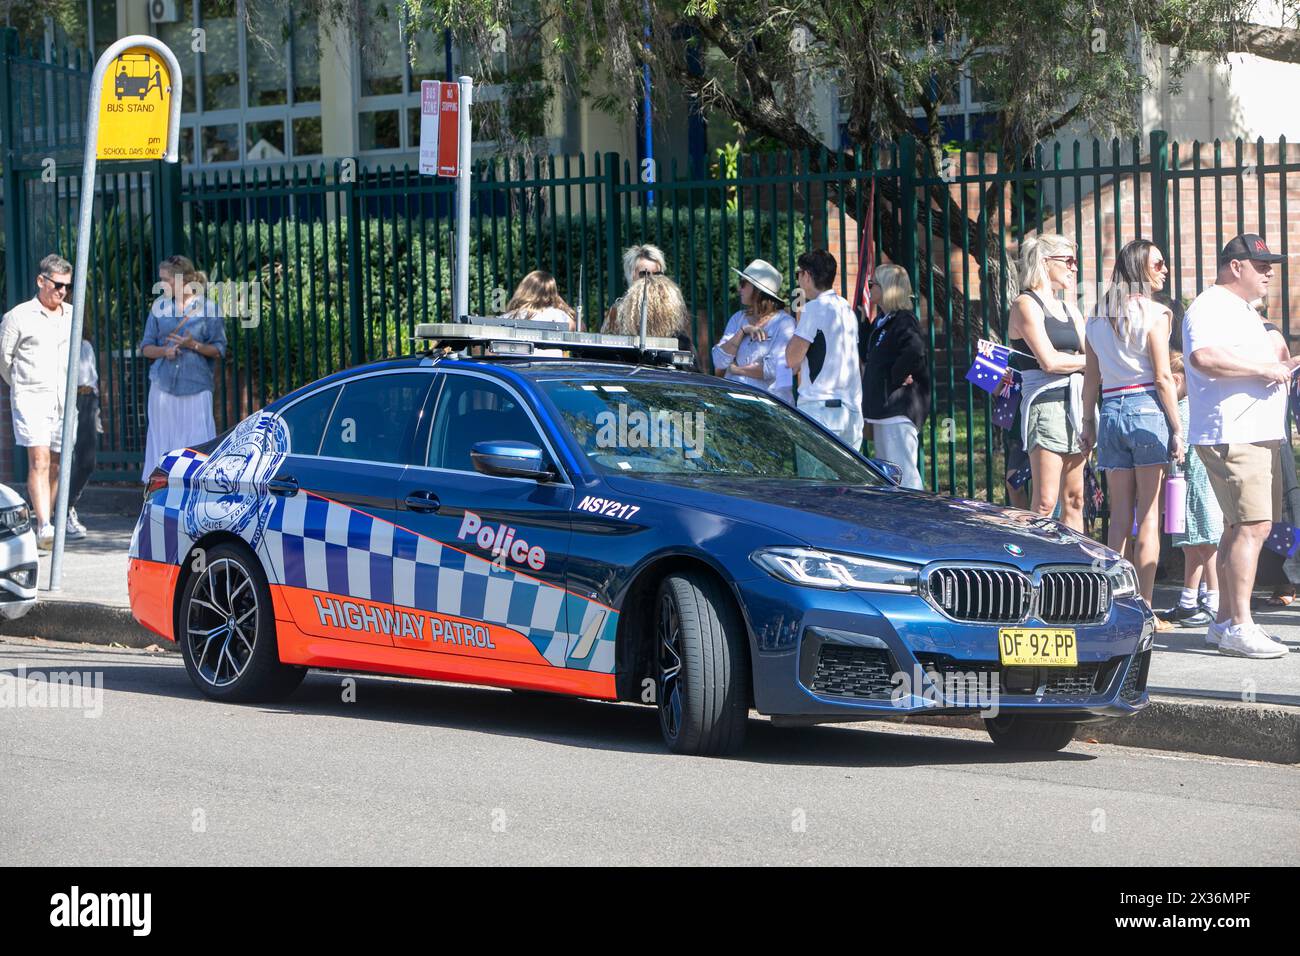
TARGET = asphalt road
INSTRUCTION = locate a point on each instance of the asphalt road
(417, 773)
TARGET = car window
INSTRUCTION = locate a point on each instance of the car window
(687, 429)
(306, 421)
(470, 410)
(375, 417)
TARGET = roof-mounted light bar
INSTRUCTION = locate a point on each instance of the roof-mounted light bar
(494, 336)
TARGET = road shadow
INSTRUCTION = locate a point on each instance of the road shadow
(546, 718)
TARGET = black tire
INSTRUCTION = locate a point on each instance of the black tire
(704, 702)
(232, 664)
(1018, 732)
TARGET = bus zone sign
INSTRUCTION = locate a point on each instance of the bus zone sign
(439, 128)
(134, 106)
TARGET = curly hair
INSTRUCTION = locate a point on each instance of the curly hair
(666, 314)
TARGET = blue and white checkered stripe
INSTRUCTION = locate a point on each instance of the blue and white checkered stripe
(312, 542)
(159, 534)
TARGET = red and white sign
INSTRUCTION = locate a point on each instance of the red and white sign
(429, 90)
(439, 128)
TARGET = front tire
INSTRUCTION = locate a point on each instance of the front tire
(1017, 732)
(226, 629)
(703, 678)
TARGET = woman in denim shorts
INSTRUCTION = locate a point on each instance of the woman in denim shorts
(1139, 430)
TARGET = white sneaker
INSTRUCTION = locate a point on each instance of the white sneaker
(1267, 636)
(1246, 640)
(45, 537)
(75, 530)
(1214, 636)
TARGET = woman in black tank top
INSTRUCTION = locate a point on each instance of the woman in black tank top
(1061, 332)
(1049, 331)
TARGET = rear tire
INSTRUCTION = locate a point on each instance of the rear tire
(1028, 733)
(702, 675)
(226, 629)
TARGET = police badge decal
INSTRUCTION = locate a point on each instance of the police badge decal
(229, 493)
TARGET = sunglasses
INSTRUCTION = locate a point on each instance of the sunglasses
(643, 273)
(1160, 266)
(61, 286)
(1070, 261)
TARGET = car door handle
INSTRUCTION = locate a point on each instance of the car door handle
(286, 486)
(424, 502)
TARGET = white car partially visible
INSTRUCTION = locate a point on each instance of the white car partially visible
(18, 557)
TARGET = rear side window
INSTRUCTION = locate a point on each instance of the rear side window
(376, 417)
(306, 421)
(471, 410)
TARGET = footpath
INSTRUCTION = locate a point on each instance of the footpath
(1201, 701)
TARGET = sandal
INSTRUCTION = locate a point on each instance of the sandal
(1278, 600)
(1163, 625)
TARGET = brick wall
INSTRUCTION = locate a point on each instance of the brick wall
(1093, 220)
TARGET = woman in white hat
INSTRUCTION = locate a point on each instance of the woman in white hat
(752, 349)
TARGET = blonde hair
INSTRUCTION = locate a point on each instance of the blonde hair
(895, 287)
(536, 292)
(666, 313)
(648, 252)
(1034, 253)
(184, 269)
(1176, 362)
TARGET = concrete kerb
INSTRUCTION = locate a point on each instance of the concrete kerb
(83, 622)
(1216, 728)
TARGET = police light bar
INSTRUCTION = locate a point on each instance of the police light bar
(485, 336)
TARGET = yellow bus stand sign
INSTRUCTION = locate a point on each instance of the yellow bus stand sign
(134, 106)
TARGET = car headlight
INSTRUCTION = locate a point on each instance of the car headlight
(1123, 579)
(835, 571)
(16, 519)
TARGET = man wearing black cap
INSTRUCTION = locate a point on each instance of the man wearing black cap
(1237, 402)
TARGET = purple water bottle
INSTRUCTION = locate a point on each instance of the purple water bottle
(1176, 503)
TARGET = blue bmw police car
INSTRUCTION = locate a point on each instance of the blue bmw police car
(620, 530)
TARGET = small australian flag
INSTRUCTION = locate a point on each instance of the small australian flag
(1284, 539)
(990, 366)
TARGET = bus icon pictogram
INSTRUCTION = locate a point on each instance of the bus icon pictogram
(136, 75)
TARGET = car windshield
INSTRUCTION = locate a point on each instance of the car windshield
(652, 428)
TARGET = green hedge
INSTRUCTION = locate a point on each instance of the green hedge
(304, 272)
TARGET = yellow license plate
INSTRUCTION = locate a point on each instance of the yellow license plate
(1038, 647)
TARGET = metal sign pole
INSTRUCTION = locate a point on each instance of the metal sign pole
(82, 265)
(460, 294)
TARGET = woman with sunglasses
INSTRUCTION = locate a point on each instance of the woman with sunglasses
(752, 348)
(1046, 334)
(1139, 430)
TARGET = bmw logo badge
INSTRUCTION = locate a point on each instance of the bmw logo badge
(1014, 549)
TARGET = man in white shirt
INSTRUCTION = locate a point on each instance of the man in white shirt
(1237, 400)
(824, 348)
(34, 362)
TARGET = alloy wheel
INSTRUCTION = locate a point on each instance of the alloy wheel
(222, 622)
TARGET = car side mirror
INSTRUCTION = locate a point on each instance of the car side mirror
(892, 471)
(511, 459)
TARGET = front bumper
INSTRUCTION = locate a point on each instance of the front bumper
(18, 574)
(837, 655)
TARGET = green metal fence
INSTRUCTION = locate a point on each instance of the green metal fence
(344, 261)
